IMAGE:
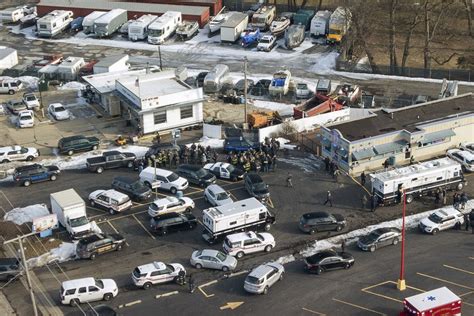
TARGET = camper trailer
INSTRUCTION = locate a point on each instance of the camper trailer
(164, 27)
(88, 22)
(54, 23)
(339, 24)
(264, 17)
(213, 80)
(320, 24)
(416, 180)
(110, 22)
(235, 217)
(12, 15)
(69, 68)
(233, 27)
(138, 29)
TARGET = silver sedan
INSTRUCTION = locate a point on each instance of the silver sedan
(213, 259)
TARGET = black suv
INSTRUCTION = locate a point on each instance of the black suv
(9, 268)
(135, 190)
(321, 221)
(256, 187)
(26, 175)
(97, 244)
(172, 222)
(70, 145)
(196, 174)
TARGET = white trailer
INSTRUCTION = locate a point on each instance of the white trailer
(234, 26)
(164, 27)
(12, 15)
(264, 17)
(320, 24)
(8, 57)
(69, 68)
(71, 212)
(54, 23)
(138, 29)
(238, 216)
(110, 22)
(417, 180)
(88, 22)
(213, 80)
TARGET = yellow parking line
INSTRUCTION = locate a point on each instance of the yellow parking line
(113, 227)
(383, 296)
(204, 285)
(233, 196)
(270, 203)
(97, 209)
(367, 290)
(446, 281)
(458, 269)
(140, 223)
(360, 307)
(470, 292)
(472, 258)
(314, 312)
(378, 284)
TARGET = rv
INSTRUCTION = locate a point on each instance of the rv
(69, 68)
(339, 23)
(12, 15)
(280, 83)
(213, 80)
(416, 180)
(264, 17)
(53, 23)
(138, 29)
(163, 27)
(88, 22)
(320, 24)
(233, 27)
(249, 214)
(110, 22)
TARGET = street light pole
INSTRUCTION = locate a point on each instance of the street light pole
(401, 280)
(245, 89)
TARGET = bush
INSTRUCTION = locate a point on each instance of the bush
(288, 130)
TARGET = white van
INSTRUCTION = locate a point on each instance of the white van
(74, 292)
(240, 244)
(10, 86)
(164, 179)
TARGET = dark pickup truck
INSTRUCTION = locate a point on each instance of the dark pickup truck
(110, 160)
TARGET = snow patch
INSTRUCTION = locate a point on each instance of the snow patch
(206, 141)
(325, 63)
(66, 251)
(282, 108)
(21, 215)
(30, 83)
(284, 143)
(309, 164)
(72, 85)
(95, 228)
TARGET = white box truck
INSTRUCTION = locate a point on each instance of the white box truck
(249, 214)
(320, 24)
(70, 209)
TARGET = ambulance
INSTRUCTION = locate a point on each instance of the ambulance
(436, 302)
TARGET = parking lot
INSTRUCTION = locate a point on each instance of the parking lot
(308, 194)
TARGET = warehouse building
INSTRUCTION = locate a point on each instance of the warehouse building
(214, 5)
(134, 9)
(398, 136)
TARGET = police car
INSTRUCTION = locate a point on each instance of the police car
(240, 244)
(464, 157)
(223, 170)
(441, 219)
(111, 200)
(13, 153)
(146, 275)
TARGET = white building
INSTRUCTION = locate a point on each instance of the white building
(112, 64)
(8, 57)
(160, 102)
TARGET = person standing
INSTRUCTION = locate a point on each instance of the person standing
(373, 203)
(192, 285)
(467, 222)
(437, 195)
(326, 163)
(362, 178)
(444, 195)
(328, 199)
(364, 201)
(343, 246)
(289, 183)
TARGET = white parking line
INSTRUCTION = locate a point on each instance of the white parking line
(130, 304)
(166, 294)
(143, 226)
(204, 285)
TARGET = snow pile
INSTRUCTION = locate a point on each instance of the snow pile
(30, 83)
(21, 215)
(351, 237)
(206, 141)
(95, 228)
(284, 143)
(72, 85)
(282, 108)
(66, 251)
(325, 63)
(309, 164)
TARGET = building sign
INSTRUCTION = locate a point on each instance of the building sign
(44, 223)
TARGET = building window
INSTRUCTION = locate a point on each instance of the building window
(159, 117)
(186, 111)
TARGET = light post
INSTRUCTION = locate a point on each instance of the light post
(40, 90)
(401, 280)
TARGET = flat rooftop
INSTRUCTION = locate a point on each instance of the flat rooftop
(105, 82)
(153, 84)
(408, 118)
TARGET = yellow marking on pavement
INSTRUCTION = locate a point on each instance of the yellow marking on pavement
(7, 199)
(270, 203)
(97, 209)
(470, 292)
(238, 273)
(366, 290)
(232, 196)
(115, 230)
(378, 284)
(360, 307)
(204, 285)
(363, 187)
(314, 312)
(472, 258)
(458, 269)
(143, 226)
(130, 304)
(231, 305)
(138, 204)
(166, 294)
(446, 281)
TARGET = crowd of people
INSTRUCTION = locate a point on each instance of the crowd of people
(263, 159)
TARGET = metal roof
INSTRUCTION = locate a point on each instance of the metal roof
(110, 60)
(6, 51)
(150, 8)
(390, 147)
(428, 300)
(235, 19)
(364, 153)
(67, 198)
(432, 137)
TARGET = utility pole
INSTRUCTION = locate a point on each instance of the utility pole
(401, 284)
(159, 54)
(245, 89)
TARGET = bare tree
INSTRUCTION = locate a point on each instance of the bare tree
(392, 51)
(468, 7)
(416, 19)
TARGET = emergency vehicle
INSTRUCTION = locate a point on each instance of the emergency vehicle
(436, 302)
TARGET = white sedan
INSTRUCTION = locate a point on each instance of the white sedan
(217, 196)
(170, 204)
(26, 119)
(58, 111)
